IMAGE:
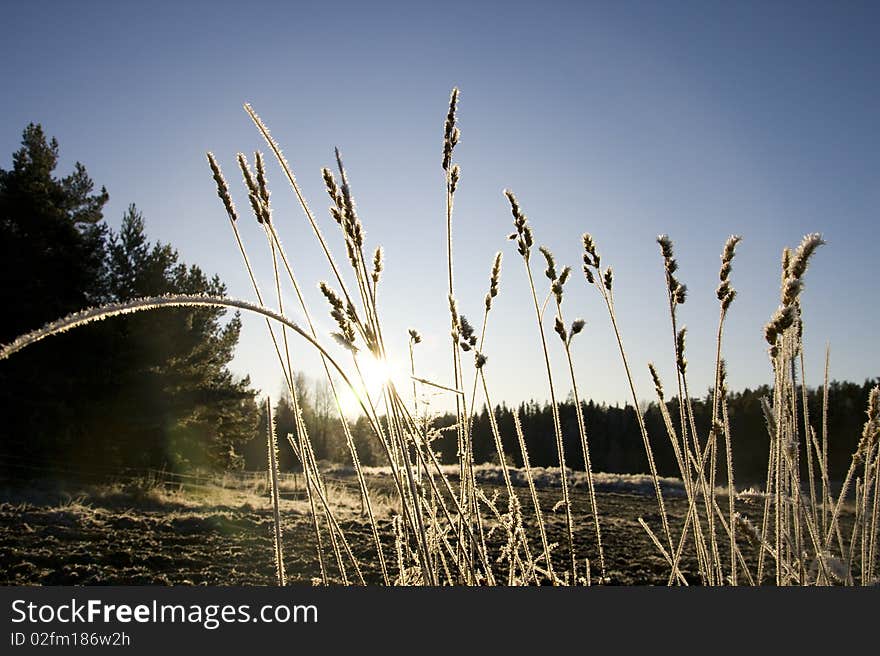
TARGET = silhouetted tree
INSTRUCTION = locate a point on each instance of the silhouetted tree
(151, 389)
(52, 246)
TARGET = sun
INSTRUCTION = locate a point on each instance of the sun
(375, 373)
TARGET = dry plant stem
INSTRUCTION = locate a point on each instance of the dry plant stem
(411, 422)
(569, 524)
(688, 486)
(731, 489)
(172, 301)
(780, 458)
(421, 543)
(816, 540)
(313, 511)
(288, 172)
(331, 519)
(687, 454)
(869, 579)
(807, 450)
(713, 437)
(795, 469)
(609, 303)
(524, 452)
(737, 551)
(854, 536)
(869, 473)
(468, 567)
(768, 489)
(310, 470)
(293, 393)
(452, 497)
(835, 515)
(247, 263)
(714, 565)
(499, 448)
(774, 470)
(477, 377)
(437, 385)
(300, 425)
(684, 469)
(824, 455)
(349, 439)
(272, 446)
(365, 281)
(585, 447)
(412, 369)
(663, 551)
(409, 513)
(288, 369)
(464, 474)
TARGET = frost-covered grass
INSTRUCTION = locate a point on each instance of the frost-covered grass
(440, 511)
(549, 477)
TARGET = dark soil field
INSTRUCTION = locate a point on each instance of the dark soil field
(114, 537)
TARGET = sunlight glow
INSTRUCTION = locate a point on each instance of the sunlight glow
(376, 374)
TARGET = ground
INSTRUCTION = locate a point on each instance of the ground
(117, 536)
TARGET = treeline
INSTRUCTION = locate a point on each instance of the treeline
(613, 431)
(145, 390)
(154, 389)
(616, 443)
(321, 420)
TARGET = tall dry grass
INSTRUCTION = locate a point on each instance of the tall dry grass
(441, 525)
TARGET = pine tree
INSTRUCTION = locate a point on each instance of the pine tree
(52, 245)
(180, 401)
(151, 389)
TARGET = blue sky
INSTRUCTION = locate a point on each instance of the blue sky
(623, 119)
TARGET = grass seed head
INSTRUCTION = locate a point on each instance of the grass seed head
(801, 257)
(332, 188)
(494, 279)
(769, 416)
(871, 430)
(262, 183)
(559, 327)
(677, 290)
(451, 134)
(378, 264)
(658, 384)
(722, 377)
(263, 189)
(665, 246)
(591, 255)
(523, 235)
(550, 271)
(466, 333)
(454, 177)
(346, 334)
(251, 184)
(728, 299)
(564, 275)
(222, 187)
(725, 291)
(680, 360)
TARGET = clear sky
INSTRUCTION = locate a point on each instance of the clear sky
(623, 119)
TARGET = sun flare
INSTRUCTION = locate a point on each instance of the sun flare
(374, 374)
